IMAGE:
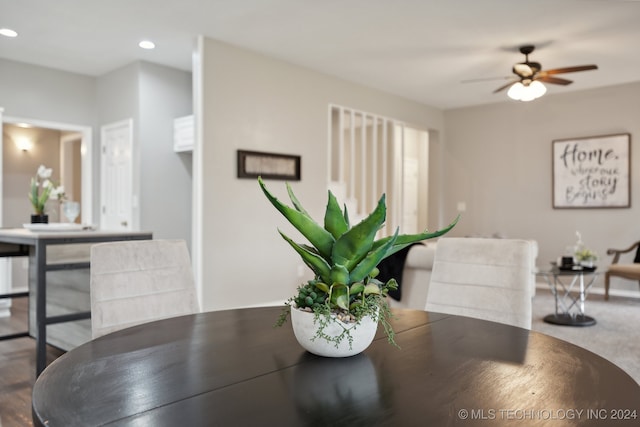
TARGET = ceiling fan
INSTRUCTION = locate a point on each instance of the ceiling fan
(527, 86)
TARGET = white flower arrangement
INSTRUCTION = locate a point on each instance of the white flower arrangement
(42, 188)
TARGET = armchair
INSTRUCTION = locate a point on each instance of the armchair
(625, 271)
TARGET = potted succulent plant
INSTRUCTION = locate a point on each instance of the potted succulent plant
(343, 304)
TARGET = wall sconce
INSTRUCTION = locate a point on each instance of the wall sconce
(24, 143)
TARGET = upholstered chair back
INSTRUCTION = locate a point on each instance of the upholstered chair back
(483, 278)
(134, 282)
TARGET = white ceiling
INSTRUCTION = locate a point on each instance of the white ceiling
(419, 49)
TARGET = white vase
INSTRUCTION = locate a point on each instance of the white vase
(305, 328)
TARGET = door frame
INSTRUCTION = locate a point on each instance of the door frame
(86, 153)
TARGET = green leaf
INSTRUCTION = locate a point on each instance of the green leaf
(353, 245)
(295, 201)
(339, 274)
(33, 196)
(346, 216)
(372, 259)
(405, 240)
(340, 295)
(314, 261)
(44, 196)
(317, 236)
(392, 284)
(372, 288)
(334, 220)
(322, 286)
(356, 288)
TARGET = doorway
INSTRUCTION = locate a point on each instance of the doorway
(23, 142)
(71, 134)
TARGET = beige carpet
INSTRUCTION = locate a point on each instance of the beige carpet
(615, 336)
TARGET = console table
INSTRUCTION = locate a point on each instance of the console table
(22, 242)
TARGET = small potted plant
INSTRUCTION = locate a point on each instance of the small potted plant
(337, 312)
(582, 255)
(42, 188)
(585, 257)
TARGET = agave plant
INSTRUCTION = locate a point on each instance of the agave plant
(344, 259)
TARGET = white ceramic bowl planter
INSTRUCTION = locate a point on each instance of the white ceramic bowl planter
(305, 328)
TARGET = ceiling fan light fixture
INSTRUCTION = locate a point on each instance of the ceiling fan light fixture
(537, 88)
(525, 93)
(515, 91)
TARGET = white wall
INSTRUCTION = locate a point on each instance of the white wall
(498, 160)
(258, 103)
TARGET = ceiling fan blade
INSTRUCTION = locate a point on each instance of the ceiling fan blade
(486, 79)
(571, 69)
(506, 86)
(554, 80)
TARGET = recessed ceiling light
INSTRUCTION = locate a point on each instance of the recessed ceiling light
(146, 44)
(24, 125)
(7, 32)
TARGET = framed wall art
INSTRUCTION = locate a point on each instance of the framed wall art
(252, 164)
(592, 172)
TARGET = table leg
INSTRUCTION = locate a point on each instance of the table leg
(38, 261)
(554, 291)
(581, 294)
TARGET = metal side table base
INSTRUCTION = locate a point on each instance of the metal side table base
(565, 319)
(569, 298)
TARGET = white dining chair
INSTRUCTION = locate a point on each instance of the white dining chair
(487, 279)
(134, 282)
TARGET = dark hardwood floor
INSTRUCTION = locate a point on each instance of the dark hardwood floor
(17, 368)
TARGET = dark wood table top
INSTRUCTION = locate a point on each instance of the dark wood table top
(233, 368)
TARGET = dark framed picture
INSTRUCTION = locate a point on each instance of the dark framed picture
(592, 172)
(252, 164)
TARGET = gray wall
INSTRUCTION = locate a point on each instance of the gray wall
(258, 103)
(165, 187)
(46, 94)
(498, 160)
(118, 95)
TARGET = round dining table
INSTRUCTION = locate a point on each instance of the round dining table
(234, 368)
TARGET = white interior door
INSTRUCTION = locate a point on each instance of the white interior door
(117, 197)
